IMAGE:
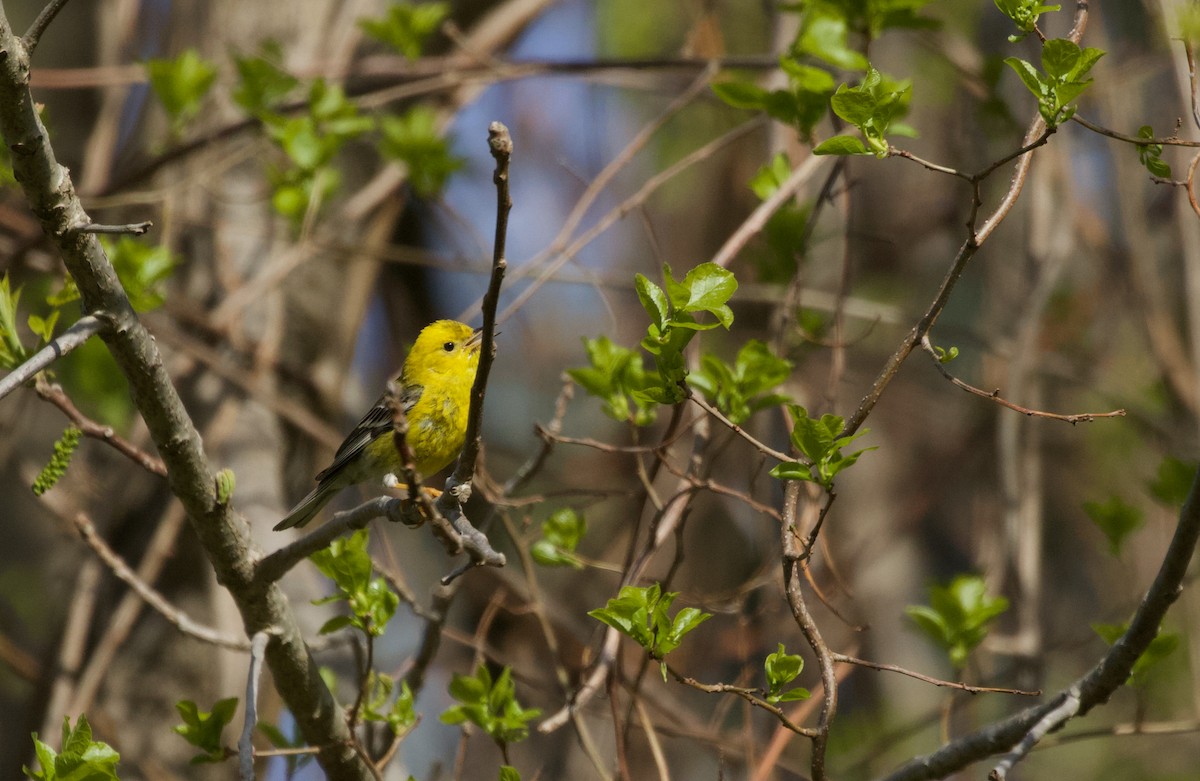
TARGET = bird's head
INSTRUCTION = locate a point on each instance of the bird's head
(444, 347)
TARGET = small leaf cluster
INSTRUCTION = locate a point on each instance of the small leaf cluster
(1150, 155)
(743, 388)
(1162, 646)
(12, 352)
(640, 612)
(616, 374)
(405, 26)
(310, 142)
(203, 729)
(820, 440)
(400, 716)
(787, 229)
(801, 104)
(54, 470)
(706, 288)
(958, 616)
(875, 107)
(823, 35)
(413, 139)
(782, 668)
(181, 84)
(263, 86)
(490, 705)
(372, 603)
(1116, 519)
(561, 533)
(1024, 14)
(81, 758)
(1061, 80)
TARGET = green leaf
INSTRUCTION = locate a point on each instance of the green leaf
(614, 376)
(142, 268)
(81, 759)
(406, 26)
(1116, 519)
(781, 669)
(1174, 481)
(372, 603)
(509, 773)
(203, 729)
(43, 327)
(654, 301)
(181, 85)
(53, 471)
(561, 533)
(262, 84)
(958, 616)
(741, 94)
(1024, 13)
(744, 388)
(490, 705)
(841, 145)
(824, 35)
(642, 613)
(413, 139)
(12, 352)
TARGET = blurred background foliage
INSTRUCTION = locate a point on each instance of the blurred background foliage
(321, 189)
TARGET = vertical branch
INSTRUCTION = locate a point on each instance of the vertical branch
(500, 143)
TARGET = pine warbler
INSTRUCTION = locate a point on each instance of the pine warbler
(435, 388)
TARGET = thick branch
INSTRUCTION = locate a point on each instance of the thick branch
(223, 533)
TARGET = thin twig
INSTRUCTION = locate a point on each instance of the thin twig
(174, 615)
(994, 395)
(54, 393)
(258, 648)
(845, 659)
(83, 329)
(133, 228)
(749, 695)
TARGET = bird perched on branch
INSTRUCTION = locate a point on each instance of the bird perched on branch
(434, 390)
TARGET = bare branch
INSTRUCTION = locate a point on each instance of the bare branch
(258, 647)
(1052, 720)
(133, 228)
(34, 34)
(83, 329)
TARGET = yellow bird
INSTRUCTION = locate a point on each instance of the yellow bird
(435, 389)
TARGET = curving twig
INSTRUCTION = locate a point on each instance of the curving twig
(994, 395)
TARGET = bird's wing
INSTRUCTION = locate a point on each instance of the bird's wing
(376, 423)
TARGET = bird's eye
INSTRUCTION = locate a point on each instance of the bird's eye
(448, 347)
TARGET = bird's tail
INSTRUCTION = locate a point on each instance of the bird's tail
(308, 507)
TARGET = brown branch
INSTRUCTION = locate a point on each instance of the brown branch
(994, 395)
(1136, 140)
(458, 487)
(845, 659)
(749, 695)
(53, 393)
(222, 532)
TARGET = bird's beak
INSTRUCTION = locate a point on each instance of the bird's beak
(475, 339)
